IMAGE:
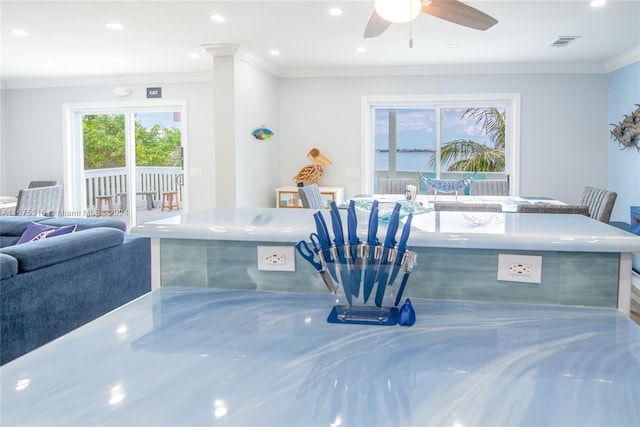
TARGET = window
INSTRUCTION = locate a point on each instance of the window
(445, 137)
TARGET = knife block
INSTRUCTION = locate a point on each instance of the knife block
(372, 280)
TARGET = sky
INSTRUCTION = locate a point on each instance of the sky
(416, 128)
(166, 119)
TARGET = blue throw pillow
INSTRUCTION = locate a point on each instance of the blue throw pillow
(62, 230)
(35, 231)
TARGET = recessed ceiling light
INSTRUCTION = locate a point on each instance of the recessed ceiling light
(194, 56)
(218, 18)
(50, 64)
(335, 11)
(114, 26)
(452, 46)
(20, 33)
(598, 3)
(274, 52)
(120, 60)
(361, 49)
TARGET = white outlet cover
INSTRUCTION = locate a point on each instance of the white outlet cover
(505, 260)
(288, 252)
(353, 173)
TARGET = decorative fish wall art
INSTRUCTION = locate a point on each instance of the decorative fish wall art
(627, 132)
(262, 133)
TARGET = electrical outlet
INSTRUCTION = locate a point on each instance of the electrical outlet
(276, 258)
(520, 268)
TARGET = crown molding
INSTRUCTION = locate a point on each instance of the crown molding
(244, 54)
(241, 53)
(107, 80)
(221, 49)
(624, 59)
(461, 69)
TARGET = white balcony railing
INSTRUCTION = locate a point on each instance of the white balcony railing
(113, 181)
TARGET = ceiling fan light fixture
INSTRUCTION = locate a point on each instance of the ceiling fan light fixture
(398, 11)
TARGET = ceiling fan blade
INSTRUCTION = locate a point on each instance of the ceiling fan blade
(460, 13)
(375, 26)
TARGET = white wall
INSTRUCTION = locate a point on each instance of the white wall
(624, 165)
(32, 146)
(564, 129)
(563, 124)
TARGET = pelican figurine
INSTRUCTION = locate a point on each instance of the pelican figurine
(312, 173)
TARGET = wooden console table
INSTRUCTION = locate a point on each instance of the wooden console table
(287, 197)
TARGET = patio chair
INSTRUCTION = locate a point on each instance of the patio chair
(39, 201)
(489, 187)
(554, 209)
(600, 203)
(311, 197)
(467, 207)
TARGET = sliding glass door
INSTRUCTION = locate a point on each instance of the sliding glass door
(126, 162)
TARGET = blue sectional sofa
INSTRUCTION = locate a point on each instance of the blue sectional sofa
(49, 287)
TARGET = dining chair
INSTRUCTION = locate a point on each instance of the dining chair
(553, 209)
(489, 187)
(393, 185)
(600, 203)
(39, 201)
(311, 197)
(467, 207)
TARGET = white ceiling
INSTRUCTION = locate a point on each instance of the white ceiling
(68, 38)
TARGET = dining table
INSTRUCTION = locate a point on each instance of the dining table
(508, 203)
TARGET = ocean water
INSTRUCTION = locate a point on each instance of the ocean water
(413, 161)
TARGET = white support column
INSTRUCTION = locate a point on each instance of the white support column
(224, 98)
(624, 283)
(156, 277)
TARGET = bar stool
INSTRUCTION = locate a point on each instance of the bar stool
(170, 200)
(100, 201)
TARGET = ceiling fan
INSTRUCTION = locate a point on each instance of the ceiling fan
(388, 11)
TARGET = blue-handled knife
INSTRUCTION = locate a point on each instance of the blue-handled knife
(325, 243)
(336, 223)
(352, 232)
(372, 242)
(402, 247)
(404, 282)
(389, 244)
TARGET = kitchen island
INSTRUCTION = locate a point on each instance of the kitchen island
(584, 262)
(196, 357)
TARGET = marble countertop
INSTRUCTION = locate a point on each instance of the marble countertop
(187, 357)
(479, 230)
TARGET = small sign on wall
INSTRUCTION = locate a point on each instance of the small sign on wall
(154, 92)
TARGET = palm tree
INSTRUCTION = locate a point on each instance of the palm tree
(468, 155)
